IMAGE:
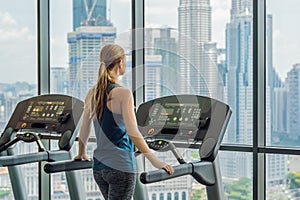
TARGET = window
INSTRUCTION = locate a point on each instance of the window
(204, 48)
(161, 196)
(283, 71)
(18, 58)
(282, 96)
(154, 196)
(176, 49)
(78, 30)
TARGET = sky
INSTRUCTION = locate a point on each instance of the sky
(18, 49)
(286, 34)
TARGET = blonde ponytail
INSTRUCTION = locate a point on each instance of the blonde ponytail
(110, 55)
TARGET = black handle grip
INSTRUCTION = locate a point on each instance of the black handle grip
(202, 171)
(161, 174)
(8, 144)
(62, 166)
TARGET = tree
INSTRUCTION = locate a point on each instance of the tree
(240, 189)
(294, 180)
(198, 194)
(3, 193)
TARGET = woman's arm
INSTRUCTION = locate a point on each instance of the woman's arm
(84, 132)
(134, 133)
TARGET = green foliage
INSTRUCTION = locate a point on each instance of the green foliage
(4, 192)
(240, 189)
(297, 194)
(294, 180)
(195, 155)
(198, 194)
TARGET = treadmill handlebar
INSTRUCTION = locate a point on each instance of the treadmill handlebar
(8, 144)
(62, 166)
(161, 174)
(27, 137)
(202, 171)
(33, 157)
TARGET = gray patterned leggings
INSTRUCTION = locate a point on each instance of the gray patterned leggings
(115, 184)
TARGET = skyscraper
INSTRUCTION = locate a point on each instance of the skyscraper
(91, 30)
(240, 8)
(59, 84)
(84, 48)
(89, 13)
(293, 102)
(198, 61)
(277, 165)
(152, 77)
(162, 42)
(239, 57)
(210, 74)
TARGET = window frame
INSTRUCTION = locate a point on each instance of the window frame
(259, 148)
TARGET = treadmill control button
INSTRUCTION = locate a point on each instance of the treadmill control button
(150, 131)
(23, 125)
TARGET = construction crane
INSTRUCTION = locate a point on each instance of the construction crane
(90, 11)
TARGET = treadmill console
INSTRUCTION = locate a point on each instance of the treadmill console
(43, 115)
(180, 117)
(174, 115)
(46, 115)
(50, 113)
(185, 119)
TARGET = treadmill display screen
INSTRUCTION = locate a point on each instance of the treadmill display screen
(174, 115)
(43, 111)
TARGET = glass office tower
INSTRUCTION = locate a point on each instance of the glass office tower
(84, 48)
(197, 75)
(239, 43)
(89, 13)
(293, 102)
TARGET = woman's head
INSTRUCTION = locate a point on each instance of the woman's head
(111, 54)
(112, 64)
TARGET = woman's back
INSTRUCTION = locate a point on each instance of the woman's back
(114, 147)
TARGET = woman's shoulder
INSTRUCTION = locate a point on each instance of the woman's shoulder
(122, 91)
(121, 95)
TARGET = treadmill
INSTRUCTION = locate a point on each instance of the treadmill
(40, 119)
(186, 121)
(171, 122)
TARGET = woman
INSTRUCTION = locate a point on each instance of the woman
(111, 109)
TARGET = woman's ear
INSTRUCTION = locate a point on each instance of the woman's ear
(121, 63)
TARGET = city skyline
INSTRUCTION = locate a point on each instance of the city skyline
(17, 30)
(238, 84)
